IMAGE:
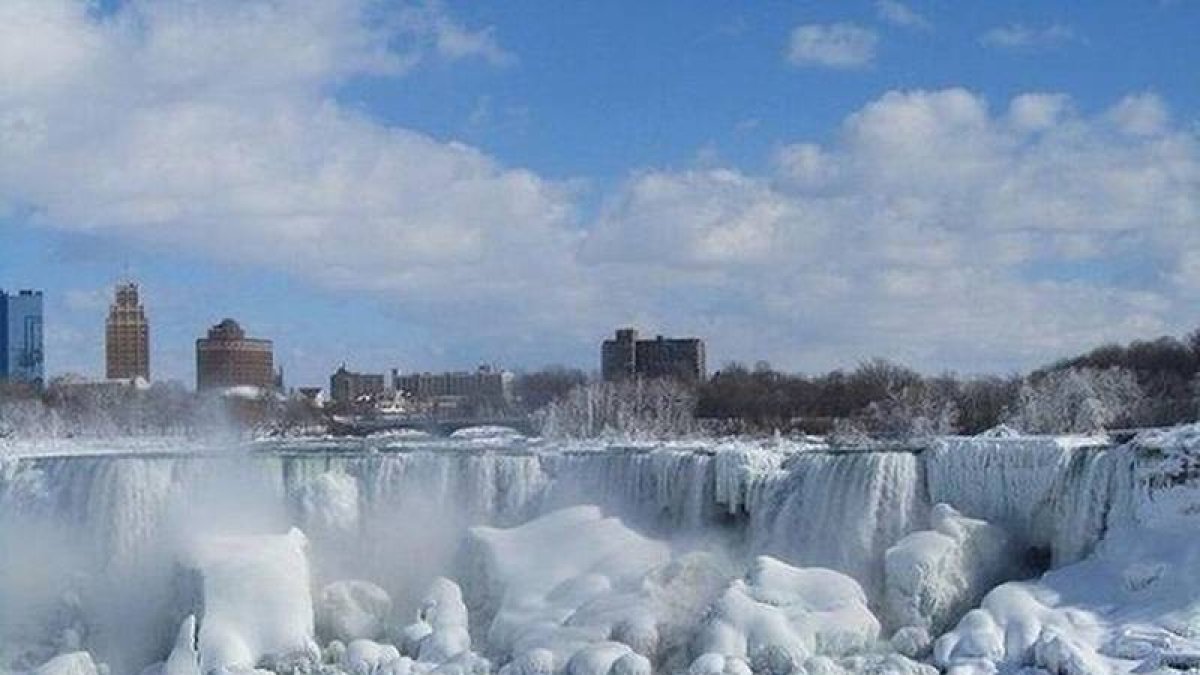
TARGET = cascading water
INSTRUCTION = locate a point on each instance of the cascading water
(109, 529)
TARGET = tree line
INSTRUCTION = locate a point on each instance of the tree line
(1144, 383)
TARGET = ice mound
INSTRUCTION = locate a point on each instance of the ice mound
(566, 587)
(352, 609)
(932, 577)
(76, 663)
(779, 616)
(441, 631)
(256, 599)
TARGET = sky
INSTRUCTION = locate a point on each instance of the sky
(968, 186)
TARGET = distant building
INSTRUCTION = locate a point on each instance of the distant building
(227, 358)
(127, 336)
(22, 357)
(626, 357)
(347, 388)
(445, 392)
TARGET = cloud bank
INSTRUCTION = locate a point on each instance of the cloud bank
(936, 227)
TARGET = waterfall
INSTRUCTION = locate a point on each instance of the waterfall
(841, 510)
(1044, 491)
(103, 524)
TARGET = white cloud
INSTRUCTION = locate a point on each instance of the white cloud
(933, 229)
(837, 45)
(1020, 37)
(209, 127)
(430, 22)
(900, 14)
(1141, 115)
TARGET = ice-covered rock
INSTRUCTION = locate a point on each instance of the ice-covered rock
(367, 657)
(532, 662)
(912, 641)
(933, 577)
(352, 609)
(540, 574)
(184, 658)
(597, 658)
(256, 599)
(444, 612)
(780, 615)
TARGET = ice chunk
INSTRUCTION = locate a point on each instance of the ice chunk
(353, 609)
(542, 573)
(256, 599)
(932, 577)
(185, 657)
(445, 613)
(780, 615)
(366, 657)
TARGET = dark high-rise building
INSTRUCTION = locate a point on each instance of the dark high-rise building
(626, 357)
(347, 388)
(486, 386)
(227, 358)
(22, 357)
(127, 336)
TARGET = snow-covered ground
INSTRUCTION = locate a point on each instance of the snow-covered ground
(490, 552)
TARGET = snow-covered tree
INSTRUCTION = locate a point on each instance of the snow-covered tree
(1077, 400)
(913, 411)
(636, 408)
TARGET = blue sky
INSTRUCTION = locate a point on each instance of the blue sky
(963, 185)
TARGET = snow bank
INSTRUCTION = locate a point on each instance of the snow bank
(934, 576)
(256, 599)
(780, 615)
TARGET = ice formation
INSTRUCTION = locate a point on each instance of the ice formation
(780, 615)
(349, 610)
(725, 557)
(933, 576)
(255, 597)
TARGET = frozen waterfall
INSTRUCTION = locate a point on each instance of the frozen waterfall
(93, 543)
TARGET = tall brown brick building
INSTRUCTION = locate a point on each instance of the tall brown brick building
(127, 336)
(227, 358)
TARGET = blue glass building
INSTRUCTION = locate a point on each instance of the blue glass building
(22, 358)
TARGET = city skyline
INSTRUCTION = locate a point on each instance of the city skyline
(976, 188)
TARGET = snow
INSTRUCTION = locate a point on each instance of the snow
(445, 615)
(780, 615)
(932, 577)
(256, 599)
(538, 575)
(485, 432)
